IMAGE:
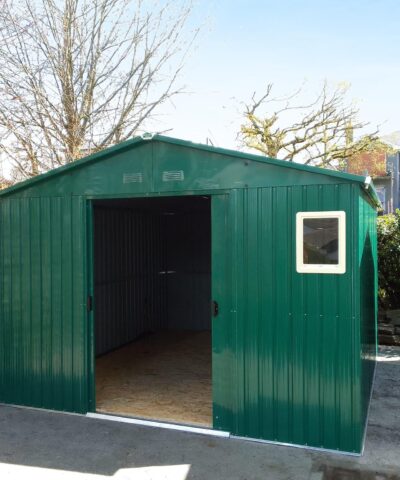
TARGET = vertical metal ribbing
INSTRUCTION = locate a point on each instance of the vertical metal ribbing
(127, 286)
(300, 328)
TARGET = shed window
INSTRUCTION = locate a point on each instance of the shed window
(321, 242)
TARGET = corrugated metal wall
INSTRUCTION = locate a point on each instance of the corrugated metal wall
(43, 334)
(286, 346)
(188, 243)
(130, 293)
(368, 286)
(291, 341)
(151, 271)
(295, 370)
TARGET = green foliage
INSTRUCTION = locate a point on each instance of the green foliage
(389, 260)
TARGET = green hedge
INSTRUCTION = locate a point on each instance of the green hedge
(389, 260)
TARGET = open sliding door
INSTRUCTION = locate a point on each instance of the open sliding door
(222, 327)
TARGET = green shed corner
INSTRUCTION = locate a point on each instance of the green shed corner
(166, 280)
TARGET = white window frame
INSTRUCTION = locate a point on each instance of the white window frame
(302, 267)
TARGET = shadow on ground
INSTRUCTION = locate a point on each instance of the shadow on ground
(37, 444)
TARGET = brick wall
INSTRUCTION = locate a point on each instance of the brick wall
(373, 162)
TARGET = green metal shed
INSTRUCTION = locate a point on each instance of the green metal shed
(277, 260)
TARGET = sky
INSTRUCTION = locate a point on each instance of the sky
(246, 44)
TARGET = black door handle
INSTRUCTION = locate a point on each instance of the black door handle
(215, 308)
(89, 304)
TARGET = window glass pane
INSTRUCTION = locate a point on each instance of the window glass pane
(321, 241)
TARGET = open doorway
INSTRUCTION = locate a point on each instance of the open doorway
(152, 292)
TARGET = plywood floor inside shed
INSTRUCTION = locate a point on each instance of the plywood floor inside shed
(163, 376)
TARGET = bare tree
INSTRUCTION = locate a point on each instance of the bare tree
(77, 76)
(323, 135)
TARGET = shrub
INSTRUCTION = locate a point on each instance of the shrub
(389, 260)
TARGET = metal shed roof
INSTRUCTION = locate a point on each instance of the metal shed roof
(364, 182)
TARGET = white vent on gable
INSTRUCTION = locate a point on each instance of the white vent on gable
(132, 177)
(173, 176)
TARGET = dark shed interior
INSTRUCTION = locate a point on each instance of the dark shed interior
(152, 279)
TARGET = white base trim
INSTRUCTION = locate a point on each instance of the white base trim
(210, 432)
(155, 424)
(187, 428)
(294, 445)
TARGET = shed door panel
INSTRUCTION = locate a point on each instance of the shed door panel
(42, 320)
(222, 328)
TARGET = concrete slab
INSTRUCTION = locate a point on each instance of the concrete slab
(44, 445)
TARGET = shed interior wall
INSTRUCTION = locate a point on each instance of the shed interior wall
(152, 267)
